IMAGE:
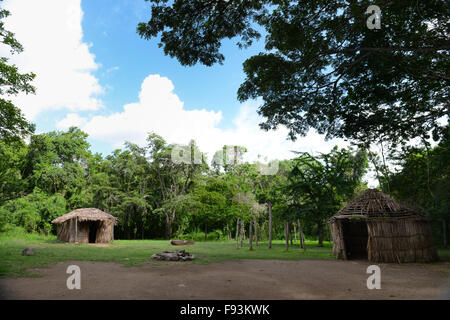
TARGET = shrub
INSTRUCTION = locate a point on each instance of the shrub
(33, 212)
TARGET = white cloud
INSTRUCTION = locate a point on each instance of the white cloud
(71, 120)
(51, 33)
(160, 110)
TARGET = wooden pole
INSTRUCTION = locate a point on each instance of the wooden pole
(237, 233)
(250, 236)
(286, 234)
(300, 235)
(76, 229)
(270, 225)
(295, 232)
(242, 231)
(112, 231)
(256, 231)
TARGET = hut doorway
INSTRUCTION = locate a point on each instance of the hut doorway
(93, 227)
(355, 238)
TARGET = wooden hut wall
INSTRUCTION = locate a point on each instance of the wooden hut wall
(67, 232)
(83, 232)
(338, 240)
(63, 231)
(105, 232)
(400, 240)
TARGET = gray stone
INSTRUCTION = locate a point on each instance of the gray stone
(177, 255)
(28, 252)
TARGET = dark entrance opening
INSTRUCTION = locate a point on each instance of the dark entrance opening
(355, 238)
(93, 227)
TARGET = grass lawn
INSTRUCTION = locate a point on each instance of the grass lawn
(136, 252)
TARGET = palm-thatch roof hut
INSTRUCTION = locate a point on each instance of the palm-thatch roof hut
(375, 227)
(87, 225)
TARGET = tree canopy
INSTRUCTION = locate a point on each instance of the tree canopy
(12, 122)
(322, 67)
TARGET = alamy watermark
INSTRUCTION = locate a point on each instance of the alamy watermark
(229, 155)
(74, 281)
(374, 281)
(374, 20)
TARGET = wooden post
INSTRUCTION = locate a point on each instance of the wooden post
(300, 235)
(70, 240)
(250, 236)
(256, 230)
(76, 229)
(270, 224)
(286, 234)
(295, 232)
(242, 231)
(343, 250)
(237, 233)
(112, 231)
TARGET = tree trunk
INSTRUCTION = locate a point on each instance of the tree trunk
(295, 232)
(169, 222)
(168, 230)
(228, 233)
(300, 235)
(385, 170)
(290, 234)
(320, 233)
(270, 225)
(237, 233)
(444, 232)
(256, 231)
(242, 231)
(250, 235)
(286, 234)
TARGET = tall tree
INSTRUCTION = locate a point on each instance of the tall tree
(269, 190)
(320, 185)
(13, 125)
(174, 177)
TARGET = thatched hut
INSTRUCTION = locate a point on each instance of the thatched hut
(375, 227)
(87, 225)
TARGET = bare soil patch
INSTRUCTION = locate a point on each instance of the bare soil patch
(238, 279)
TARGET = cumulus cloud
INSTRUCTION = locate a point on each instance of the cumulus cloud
(51, 34)
(160, 110)
(71, 120)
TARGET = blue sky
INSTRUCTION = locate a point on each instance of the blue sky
(95, 72)
(110, 25)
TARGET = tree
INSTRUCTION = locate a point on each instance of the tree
(422, 181)
(56, 162)
(320, 185)
(174, 178)
(248, 208)
(269, 190)
(12, 183)
(34, 212)
(323, 68)
(211, 203)
(12, 123)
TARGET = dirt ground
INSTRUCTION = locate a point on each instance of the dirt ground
(241, 279)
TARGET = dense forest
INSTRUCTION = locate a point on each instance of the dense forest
(156, 197)
(382, 89)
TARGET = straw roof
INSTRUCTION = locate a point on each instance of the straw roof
(86, 214)
(373, 204)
